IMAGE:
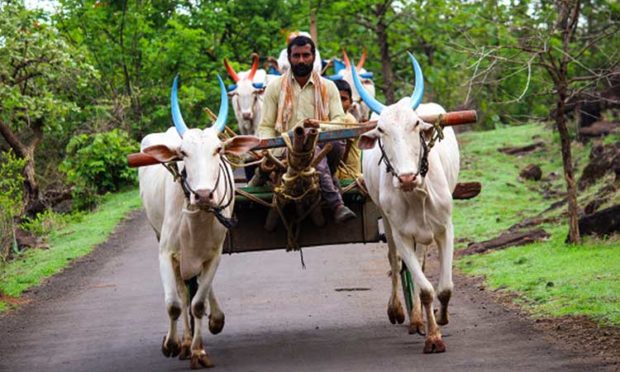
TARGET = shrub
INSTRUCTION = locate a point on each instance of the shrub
(44, 223)
(11, 198)
(97, 163)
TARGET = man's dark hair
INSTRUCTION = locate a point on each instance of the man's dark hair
(343, 85)
(301, 41)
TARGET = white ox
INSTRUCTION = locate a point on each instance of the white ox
(358, 109)
(416, 204)
(183, 214)
(247, 95)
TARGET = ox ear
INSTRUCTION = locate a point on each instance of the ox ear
(162, 153)
(239, 145)
(427, 130)
(368, 140)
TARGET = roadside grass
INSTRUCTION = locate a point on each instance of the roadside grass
(549, 278)
(504, 200)
(76, 239)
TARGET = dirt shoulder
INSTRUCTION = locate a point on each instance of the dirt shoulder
(572, 333)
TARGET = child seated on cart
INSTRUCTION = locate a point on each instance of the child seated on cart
(352, 167)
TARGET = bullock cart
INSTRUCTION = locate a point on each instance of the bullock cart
(294, 198)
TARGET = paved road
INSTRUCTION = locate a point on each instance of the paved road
(106, 313)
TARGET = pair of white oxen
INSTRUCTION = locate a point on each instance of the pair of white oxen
(413, 190)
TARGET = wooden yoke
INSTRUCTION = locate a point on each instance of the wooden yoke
(453, 118)
(447, 119)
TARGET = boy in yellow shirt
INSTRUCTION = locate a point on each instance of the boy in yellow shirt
(352, 168)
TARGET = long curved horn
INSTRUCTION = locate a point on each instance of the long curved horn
(418, 91)
(347, 63)
(231, 72)
(374, 105)
(223, 114)
(177, 118)
(362, 59)
(254, 66)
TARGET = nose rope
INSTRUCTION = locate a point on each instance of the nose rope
(384, 159)
(222, 204)
(423, 159)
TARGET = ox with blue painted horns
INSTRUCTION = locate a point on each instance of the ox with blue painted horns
(188, 200)
(412, 186)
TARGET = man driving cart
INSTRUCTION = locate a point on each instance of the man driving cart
(302, 97)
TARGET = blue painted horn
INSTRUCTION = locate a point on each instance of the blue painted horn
(177, 118)
(418, 91)
(338, 66)
(223, 114)
(334, 77)
(369, 100)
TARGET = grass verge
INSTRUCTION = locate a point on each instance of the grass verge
(550, 278)
(74, 240)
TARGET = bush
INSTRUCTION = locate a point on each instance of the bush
(44, 223)
(11, 198)
(97, 163)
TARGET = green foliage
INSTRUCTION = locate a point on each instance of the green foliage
(551, 277)
(74, 240)
(555, 279)
(40, 73)
(505, 199)
(141, 46)
(11, 198)
(11, 178)
(44, 223)
(97, 164)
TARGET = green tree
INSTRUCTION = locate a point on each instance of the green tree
(40, 76)
(567, 52)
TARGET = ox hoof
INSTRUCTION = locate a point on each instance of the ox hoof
(200, 359)
(396, 313)
(442, 318)
(186, 349)
(416, 328)
(216, 323)
(170, 348)
(434, 344)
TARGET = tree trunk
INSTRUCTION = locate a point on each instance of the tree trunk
(31, 186)
(386, 62)
(128, 89)
(566, 24)
(571, 189)
(313, 29)
(30, 183)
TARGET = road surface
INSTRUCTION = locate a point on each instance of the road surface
(106, 313)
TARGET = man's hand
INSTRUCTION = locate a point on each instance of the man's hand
(311, 123)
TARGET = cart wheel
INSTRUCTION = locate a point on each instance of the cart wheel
(407, 283)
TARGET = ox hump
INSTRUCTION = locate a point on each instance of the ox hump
(168, 138)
